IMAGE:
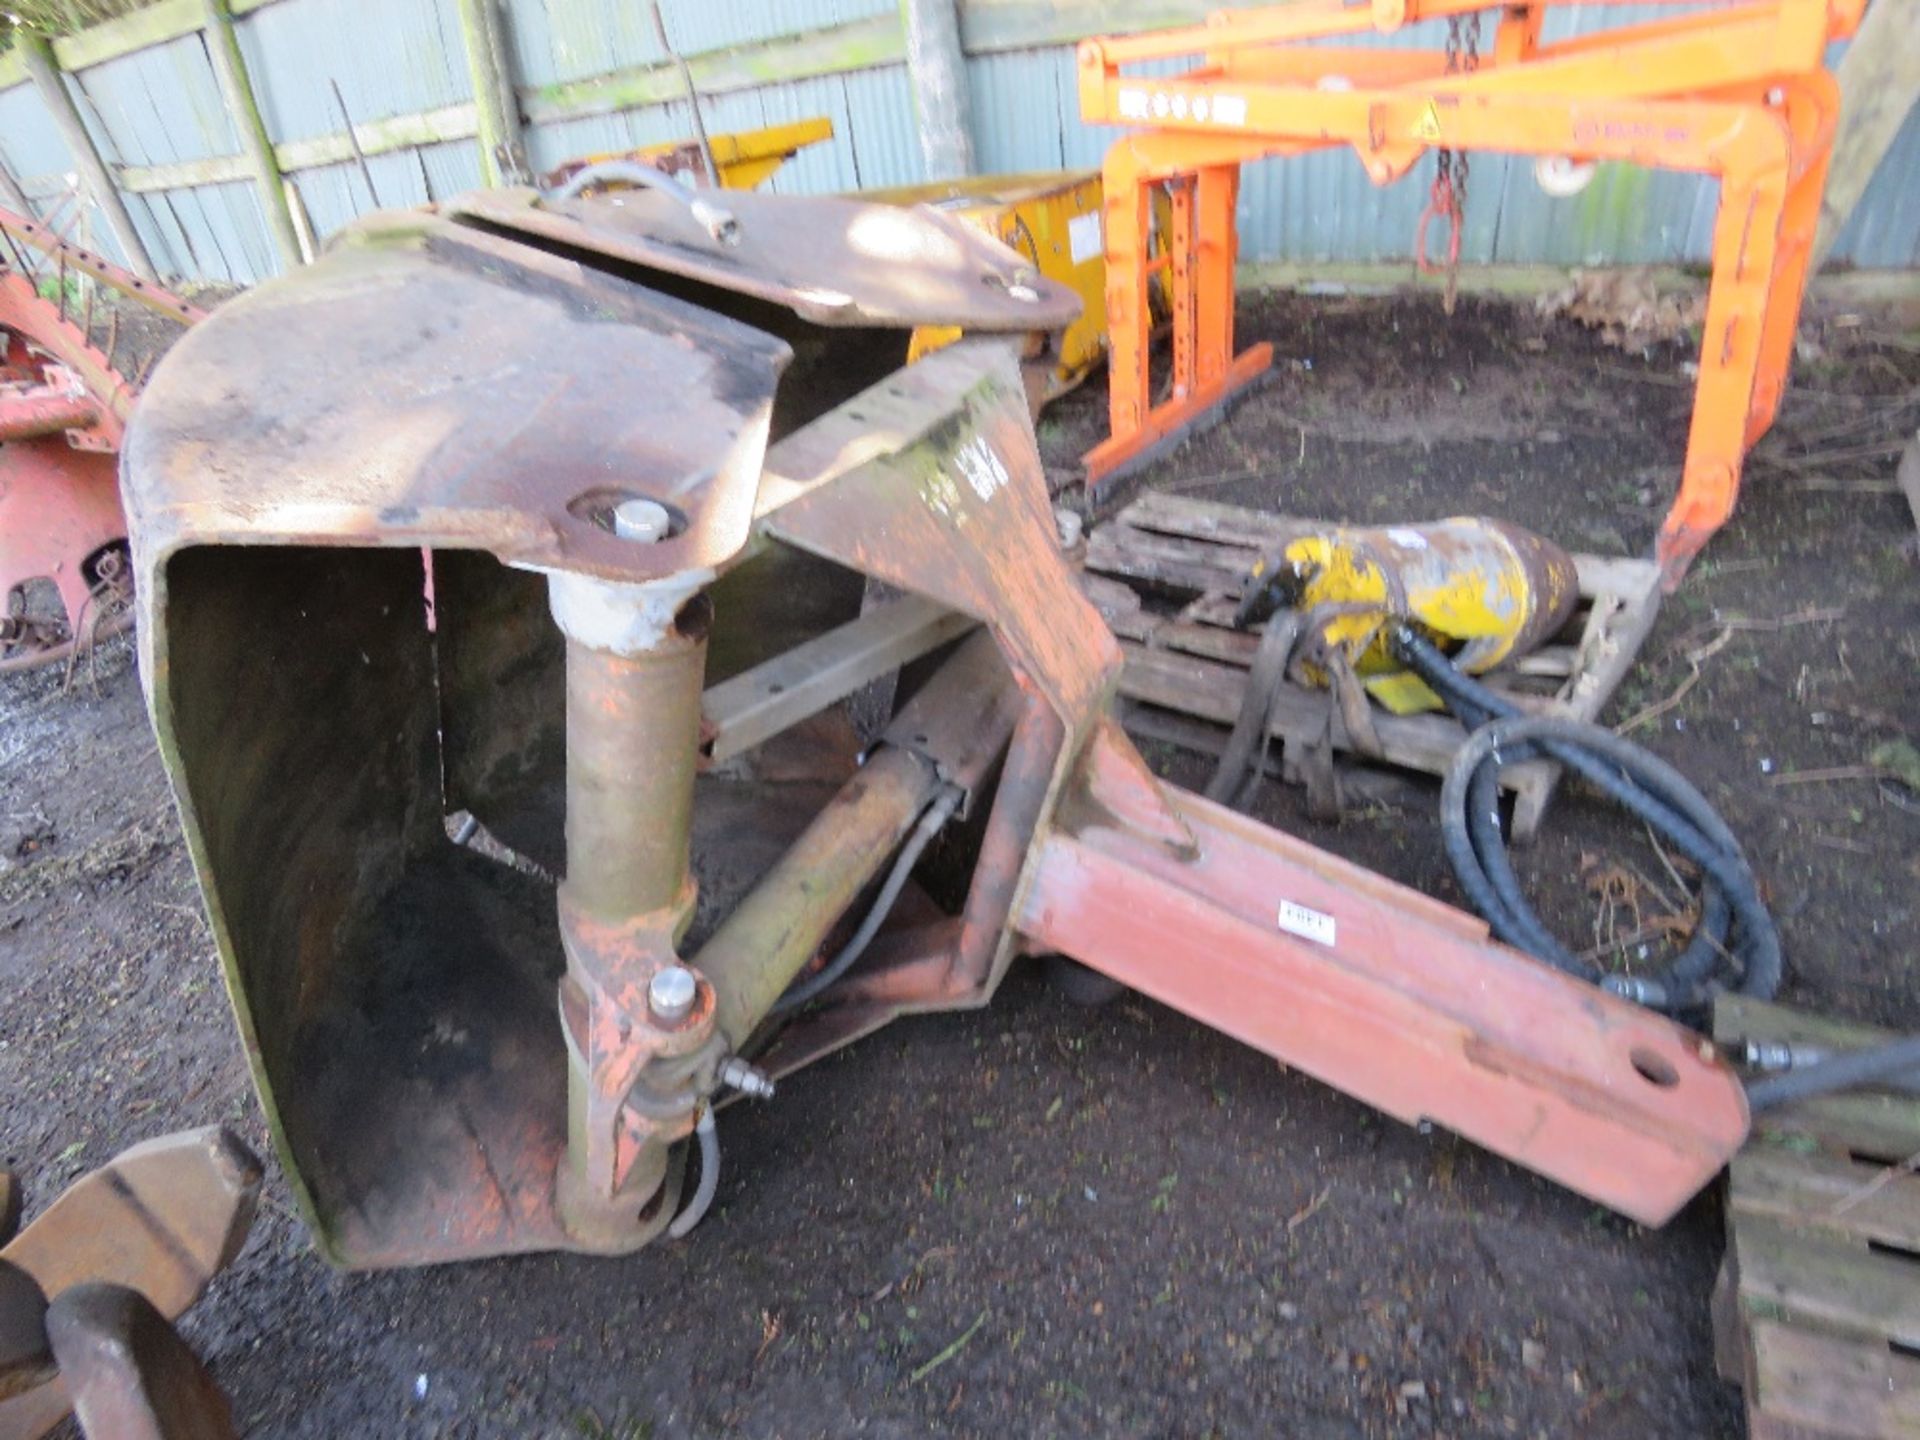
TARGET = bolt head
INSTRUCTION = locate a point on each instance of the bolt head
(645, 521)
(672, 992)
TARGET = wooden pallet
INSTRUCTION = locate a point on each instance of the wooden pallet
(1180, 563)
(1817, 1310)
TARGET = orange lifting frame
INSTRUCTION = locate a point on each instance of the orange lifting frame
(1739, 92)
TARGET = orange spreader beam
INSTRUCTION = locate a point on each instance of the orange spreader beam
(1739, 92)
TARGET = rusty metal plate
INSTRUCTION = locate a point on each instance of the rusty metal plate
(162, 1218)
(932, 482)
(130, 1374)
(456, 390)
(833, 260)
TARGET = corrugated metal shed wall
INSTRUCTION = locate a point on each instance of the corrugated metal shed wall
(298, 53)
(403, 57)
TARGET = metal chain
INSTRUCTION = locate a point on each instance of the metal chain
(1450, 168)
(1463, 56)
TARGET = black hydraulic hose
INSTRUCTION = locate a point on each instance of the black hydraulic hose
(1842, 1072)
(1735, 941)
(932, 821)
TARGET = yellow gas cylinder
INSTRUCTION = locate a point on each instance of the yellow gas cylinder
(1483, 590)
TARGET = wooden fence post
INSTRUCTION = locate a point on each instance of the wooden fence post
(230, 69)
(502, 157)
(937, 69)
(37, 55)
(11, 195)
(1879, 82)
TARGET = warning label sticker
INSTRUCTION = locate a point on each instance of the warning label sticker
(1427, 127)
(1307, 924)
(1083, 237)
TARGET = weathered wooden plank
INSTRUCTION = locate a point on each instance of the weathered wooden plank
(989, 26)
(1162, 632)
(236, 90)
(136, 30)
(1832, 1284)
(937, 76)
(1611, 641)
(1885, 1128)
(376, 137)
(1805, 1384)
(38, 57)
(1213, 692)
(1835, 1196)
(1729, 1326)
(1168, 562)
(1212, 608)
(498, 129)
(183, 174)
(834, 50)
(1209, 520)
(1879, 83)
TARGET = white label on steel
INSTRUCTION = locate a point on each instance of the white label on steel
(1230, 110)
(1307, 924)
(1133, 104)
(1083, 237)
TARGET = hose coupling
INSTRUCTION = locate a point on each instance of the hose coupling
(737, 1074)
(1769, 1056)
(1638, 989)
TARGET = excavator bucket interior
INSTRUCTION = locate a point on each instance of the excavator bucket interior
(592, 647)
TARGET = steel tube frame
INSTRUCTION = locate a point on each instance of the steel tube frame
(44, 412)
(635, 662)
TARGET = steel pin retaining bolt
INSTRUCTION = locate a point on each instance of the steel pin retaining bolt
(646, 521)
(671, 993)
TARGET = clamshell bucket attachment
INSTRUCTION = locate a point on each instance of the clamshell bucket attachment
(525, 540)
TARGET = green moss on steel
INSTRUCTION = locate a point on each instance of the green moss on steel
(930, 464)
(165, 732)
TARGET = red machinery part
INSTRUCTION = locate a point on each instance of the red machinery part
(59, 512)
(63, 409)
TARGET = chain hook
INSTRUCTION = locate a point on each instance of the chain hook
(1448, 200)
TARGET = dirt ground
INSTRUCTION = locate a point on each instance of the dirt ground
(1042, 1220)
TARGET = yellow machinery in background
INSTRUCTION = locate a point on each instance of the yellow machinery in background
(1053, 218)
(744, 158)
(1483, 590)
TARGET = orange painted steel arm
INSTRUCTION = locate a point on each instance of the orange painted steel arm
(1323, 19)
(1734, 91)
(1380, 992)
